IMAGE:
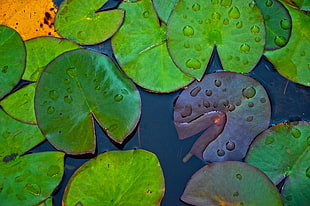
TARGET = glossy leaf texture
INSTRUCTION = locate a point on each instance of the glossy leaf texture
(278, 23)
(101, 181)
(164, 8)
(236, 28)
(80, 21)
(293, 60)
(229, 108)
(30, 179)
(30, 18)
(140, 48)
(40, 51)
(301, 4)
(89, 86)
(282, 152)
(230, 184)
(12, 59)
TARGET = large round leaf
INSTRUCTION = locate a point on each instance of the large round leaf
(293, 60)
(119, 178)
(12, 59)
(79, 21)
(282, 152)
(235, 27)
(40, 51)
(77, 87)
(230, 184)
(230, 108)
(140, 48)
(164, 8)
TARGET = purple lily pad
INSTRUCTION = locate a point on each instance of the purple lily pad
(232, 108)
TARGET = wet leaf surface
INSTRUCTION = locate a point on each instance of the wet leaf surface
(236, 28)
(101, 181)
(230, 184)
(81, 21)
(293, 60)
(164, 8)
(282, 152)
(89, 86)
(140, 48)
(12, 59)
(229, 108)
(301, 4)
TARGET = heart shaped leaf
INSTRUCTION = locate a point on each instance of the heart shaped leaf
(232, 109)
(101, 181)
(12, 59)
(282, 152)
(230, 184)
(140, 48)
(89, 85)
(293, 60)
(235, 27)
(164, 8)
(81, 21)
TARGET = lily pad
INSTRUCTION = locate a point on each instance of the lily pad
(230, 109)
(230, 184)
(12, 59)
(164, 8)
(293, 60)
(81, 21)
(236, 28)
(282, 152)
(101, 181)
(40, 51)
(89, 86)
(278, 23)
(140, 48)
(301, 4)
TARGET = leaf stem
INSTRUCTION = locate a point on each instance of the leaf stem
(152, 46)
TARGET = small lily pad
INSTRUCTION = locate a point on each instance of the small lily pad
(230, 184)
(101, 181)
(282, 152)
(140, 48)
(229, 108)
(89, 86)
(236, 28)
(164, 8)
(81, 21)
(12, 59)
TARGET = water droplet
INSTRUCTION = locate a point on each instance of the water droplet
(229, 57)
(21, 197)
(68, 99)
(236, 194)
(22, 177)
(98, 88)
(33, 189)
(214, 2)
(187, 45)
(188, 31)
(285, 24)
(217, 83)
(295, 132)
(249, 92)
(53, 95)
(251, 104)
(234, 13)
(269, 140)
(198, 47)
(238, 102)
(289, 197)
(72, 72)
(69, 90)
(258, 39)
(206, 104)
(226, 21)
(215, 104)
(220, 152)
(239, 25)
(262, 100)
(226, 3)
(146, 14)
(5, 69)
(231, 108)
(200, 21)
(287, 169)
(50, 110)
(53, 170)
(187, 111)
(225, 103)
(216, 16)
(269, 3)
(124, 91)
(280, 41)
(239, 176)
(6, 134)
(230, 145)
(196, 7)
(193, 63)
(82, 35)
(237, 58)
(78, 204)
(308, 172)
(118, 97)
(252, 4)
(67, 81)
(249, 118)
(245, 48)
(195, 91)
(208, 21)
(255, 29)
(303, 53)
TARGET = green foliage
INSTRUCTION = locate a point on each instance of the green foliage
(164, 8)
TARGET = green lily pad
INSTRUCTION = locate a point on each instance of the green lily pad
(164, 8)
(81, 21)
(101, 181)
(236, 28)
(140, 48)
(293, 60)
(30, 179)
(230, 184)
(282, 152)
(78, 87)
(301, 4)
(47, 202)
(278, 23)
(40, 51)
(12, 59)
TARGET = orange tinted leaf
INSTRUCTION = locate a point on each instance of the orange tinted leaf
(30, 18)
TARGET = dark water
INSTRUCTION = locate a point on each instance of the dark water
(157, 134)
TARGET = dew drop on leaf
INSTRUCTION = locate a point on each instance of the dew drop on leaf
(67, 81)
(249, 119)
(188, 31)
(295, 132)
(214, 2)
(196, 7)
(193, 63)
(269, 140)
(208, 92)
(234, 13)
(53, 95)
(217, 83)
(226, 3)
(33, 189)
(72, 72)
(146, 14)
(69, 90)
(82, 35)
(53, 171)
(249, 92)
(255, 29)
(226, 21)
(258, 39)
(245, 48)
(252, 4)
(5, 69)
(220, 152)
(195, 91)
(118, 97)
(216, 16)
(239, 25)
(239, 176)
(187, 111)
(50, 110)
(230, 145)
(68, 99)
(236, 194)
(280, 41)
(285, 24)
(269, 3)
